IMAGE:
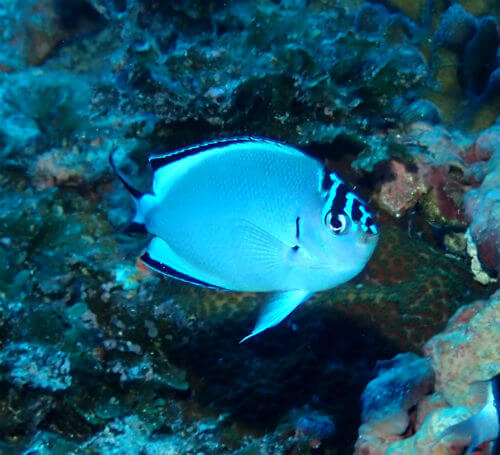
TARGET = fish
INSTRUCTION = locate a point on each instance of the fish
(252, 214)
(483, 426)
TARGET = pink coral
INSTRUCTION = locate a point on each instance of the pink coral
(401, 192)
(482, 205)
(456, 180)
(460, 356)
(434, 178)
(57, 167)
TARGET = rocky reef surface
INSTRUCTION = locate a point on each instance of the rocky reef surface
(98, 355)
(418, 398)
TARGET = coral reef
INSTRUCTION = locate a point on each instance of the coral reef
(32, 30)
(482, 205)
(455, 360)
(453, 180)
(100, 355)
(400, 384)
(432, 175)
(38, 366)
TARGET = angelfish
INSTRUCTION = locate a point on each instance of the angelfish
(256, 215)
(483, 426)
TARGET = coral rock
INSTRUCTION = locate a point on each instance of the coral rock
(422, 111)
(37, 366)
(464, 353)
(398, 195)
(480, 54)
(400, 384)
(427, 440)
(435, 177)
(482, 205)
(405, 418)
(457, 27)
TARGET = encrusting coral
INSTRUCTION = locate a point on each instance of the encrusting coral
(463, 354)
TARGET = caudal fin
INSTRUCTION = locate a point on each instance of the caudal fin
(134, 192)
(137, 224)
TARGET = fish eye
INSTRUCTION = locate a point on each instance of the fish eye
(337, 223)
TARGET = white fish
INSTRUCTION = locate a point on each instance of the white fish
(483, 426)
(256, 215)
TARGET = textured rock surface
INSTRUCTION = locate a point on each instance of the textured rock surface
(399, 385)
(482, 205)
(456, 29)
(37, 366)
(127, 360)
(463, 354)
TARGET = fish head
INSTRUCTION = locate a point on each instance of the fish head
(347, 235)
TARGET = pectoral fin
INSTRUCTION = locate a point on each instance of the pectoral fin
(256, 246)
(278, 309)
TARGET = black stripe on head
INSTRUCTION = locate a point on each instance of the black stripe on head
(326, 181)
(370, 226)
(338, 204)
(171, 272)
(356, 212)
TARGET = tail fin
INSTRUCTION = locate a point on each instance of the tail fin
(134, 192)
(137, 224)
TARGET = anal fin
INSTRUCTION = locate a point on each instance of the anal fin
(160, 257)
(278, 309)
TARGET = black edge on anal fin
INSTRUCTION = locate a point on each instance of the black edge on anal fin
(158, 161)
(171, 272)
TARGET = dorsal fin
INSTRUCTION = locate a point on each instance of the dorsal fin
(158, 161)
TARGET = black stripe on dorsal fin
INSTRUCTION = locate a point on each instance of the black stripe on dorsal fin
(158, 161)
(172, 273)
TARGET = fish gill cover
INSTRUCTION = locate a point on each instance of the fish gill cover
(97, 355)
